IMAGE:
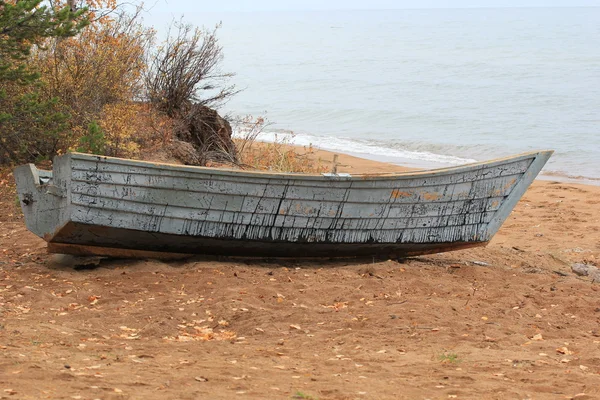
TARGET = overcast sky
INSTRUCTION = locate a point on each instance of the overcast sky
(178, 6)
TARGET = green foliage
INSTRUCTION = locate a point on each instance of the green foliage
(25, 24)
(94, 141)
(30, 127)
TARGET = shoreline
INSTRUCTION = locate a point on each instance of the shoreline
(423, 166)
(369, 163)
(427, 162)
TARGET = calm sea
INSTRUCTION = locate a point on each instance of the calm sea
(425, 87)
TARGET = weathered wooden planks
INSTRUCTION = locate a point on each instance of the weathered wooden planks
(255, 212)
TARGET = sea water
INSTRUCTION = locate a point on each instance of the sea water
(425, 88)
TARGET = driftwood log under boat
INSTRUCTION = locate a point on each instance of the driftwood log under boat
(96, 205)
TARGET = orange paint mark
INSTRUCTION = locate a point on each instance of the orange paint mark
(307, 210)
(509, 184)
(502, 191)
(397, 194)
(431, 196)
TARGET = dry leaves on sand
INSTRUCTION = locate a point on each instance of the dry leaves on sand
(564, 350)
(203, 333)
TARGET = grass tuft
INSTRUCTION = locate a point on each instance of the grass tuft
(278, 156)
(304, 396)
(449, 358)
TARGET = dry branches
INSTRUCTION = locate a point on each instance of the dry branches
(185, 70)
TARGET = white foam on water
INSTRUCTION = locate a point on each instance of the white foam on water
(359, 147)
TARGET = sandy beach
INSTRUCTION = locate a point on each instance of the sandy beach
(508, 321)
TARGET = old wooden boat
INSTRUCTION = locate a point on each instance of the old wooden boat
(101, 205)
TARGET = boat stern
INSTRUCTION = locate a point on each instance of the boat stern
(43, 199)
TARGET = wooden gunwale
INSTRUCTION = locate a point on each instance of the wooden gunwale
(296, 176)
(135, 185)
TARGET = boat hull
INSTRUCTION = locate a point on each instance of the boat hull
(123, 242)
(107, 203)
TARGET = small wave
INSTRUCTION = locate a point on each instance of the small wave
(354, 146)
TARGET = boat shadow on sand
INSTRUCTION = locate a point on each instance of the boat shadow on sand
(66, 262)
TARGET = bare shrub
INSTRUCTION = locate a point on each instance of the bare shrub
(186, 70)
(248, 128)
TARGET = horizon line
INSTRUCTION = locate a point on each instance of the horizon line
(397, 9)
